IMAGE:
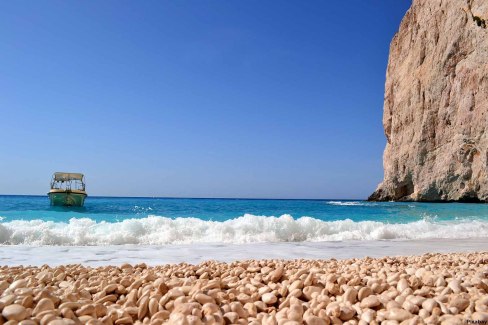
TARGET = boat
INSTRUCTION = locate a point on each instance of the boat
(67, 189)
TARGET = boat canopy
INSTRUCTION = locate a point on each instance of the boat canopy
(64, 177)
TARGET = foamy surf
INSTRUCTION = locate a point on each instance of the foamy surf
(157, 230)
(352, 203)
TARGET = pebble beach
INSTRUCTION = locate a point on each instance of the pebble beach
(428, 289)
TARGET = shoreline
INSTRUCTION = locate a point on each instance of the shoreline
(427, 289)
(12, 255)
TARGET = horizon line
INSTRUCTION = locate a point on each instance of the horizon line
(198, 198)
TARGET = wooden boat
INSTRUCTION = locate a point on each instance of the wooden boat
(67, 189)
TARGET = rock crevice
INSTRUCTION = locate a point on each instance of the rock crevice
(436, 105)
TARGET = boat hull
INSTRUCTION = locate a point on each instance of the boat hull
(67, 198)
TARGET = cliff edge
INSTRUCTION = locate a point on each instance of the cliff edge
(436, 104)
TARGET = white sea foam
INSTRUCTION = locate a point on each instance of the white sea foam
(349, 203)
(156, 230)
(200, 252)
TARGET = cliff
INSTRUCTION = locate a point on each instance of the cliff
(436, 104)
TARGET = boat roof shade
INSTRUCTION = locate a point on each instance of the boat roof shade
(60, 176)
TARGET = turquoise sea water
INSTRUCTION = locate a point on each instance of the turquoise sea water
(107, 220)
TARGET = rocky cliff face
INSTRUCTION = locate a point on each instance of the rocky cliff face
(436, 104)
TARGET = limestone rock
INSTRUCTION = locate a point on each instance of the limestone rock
(436, 104)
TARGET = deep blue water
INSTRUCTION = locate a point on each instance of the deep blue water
(113, 209)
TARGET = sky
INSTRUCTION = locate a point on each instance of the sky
(195, 98)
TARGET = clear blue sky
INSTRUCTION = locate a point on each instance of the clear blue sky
(212, 98)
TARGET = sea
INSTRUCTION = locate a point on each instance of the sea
(172, 230)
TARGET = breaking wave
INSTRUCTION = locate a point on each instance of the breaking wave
(156, 230)
(349, 203)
